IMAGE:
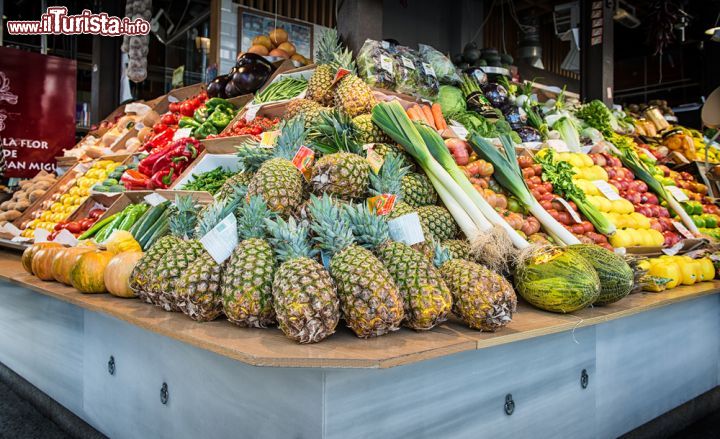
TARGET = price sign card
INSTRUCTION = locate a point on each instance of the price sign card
(222, 239)
(407, 229)
(570, 210)
(607, 190)
(677, 193)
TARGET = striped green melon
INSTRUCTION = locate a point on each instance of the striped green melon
(557, 280)
(616, 276)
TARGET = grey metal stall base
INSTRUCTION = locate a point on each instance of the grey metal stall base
(128, 383)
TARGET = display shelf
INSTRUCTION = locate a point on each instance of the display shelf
(269, 347)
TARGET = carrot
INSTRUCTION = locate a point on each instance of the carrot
(421, 113)
(412, 114)
(439, 119)
(429, 115)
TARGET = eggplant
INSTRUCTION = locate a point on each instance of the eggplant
(496, 94)
(529, 134)
(247, 78)
(253, 58)
(232, 90)
(216, 88)
(514, 117)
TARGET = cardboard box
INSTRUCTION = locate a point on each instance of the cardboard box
(96, 200)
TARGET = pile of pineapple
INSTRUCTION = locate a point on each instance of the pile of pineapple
(311, 250)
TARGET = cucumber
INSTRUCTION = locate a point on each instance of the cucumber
(159, 233)
(103, 234)
(164, 217)
(159, 224)
(97, 226)
(148, 219)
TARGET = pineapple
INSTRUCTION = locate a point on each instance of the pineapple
(142, 273)
(198, 287)
(342, 172)
(427, 300)
(417, 190)
(309, 110)
(240, 179)
(368, 131)
(370, 300)
(247, 282)
(176, 260)
(277, 180)
(319, 87)
(352, 95)
(304, 294)
(483, 299)
(437, 222)
(459, 249)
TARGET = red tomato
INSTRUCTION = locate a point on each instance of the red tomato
(169, 119)
(159, 127)
(74, 227)
(186, 109)
(174, 107)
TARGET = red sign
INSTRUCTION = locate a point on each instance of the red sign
(37, 110)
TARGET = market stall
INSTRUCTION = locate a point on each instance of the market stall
(379, 243)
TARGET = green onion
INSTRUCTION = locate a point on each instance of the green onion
(437, 148)
(508, 174)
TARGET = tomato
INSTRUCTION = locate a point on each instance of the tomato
(195, 102)
(159, 127)
(186, 109)
(74, 227)
(174, 107)
(169, 119)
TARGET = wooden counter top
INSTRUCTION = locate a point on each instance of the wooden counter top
(269, 347)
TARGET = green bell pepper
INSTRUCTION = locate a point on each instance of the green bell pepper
(220, 118)
(205, 130)
(188, 122)
(213, 103)
(201, 114)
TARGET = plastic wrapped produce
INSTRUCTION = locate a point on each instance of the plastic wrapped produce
(429, 84)
(407, 74)
(376, 65)
(441, 64)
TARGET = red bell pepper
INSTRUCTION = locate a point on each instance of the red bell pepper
(163, 179)
(159, 140)
(135, 180)
(180, 155)
(146, 165)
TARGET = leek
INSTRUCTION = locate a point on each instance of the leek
(456, 210)
(508, 174)
(439, 151)
(392, 119)
(630, 159)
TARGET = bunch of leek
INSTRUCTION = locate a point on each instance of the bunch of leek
(567, 127)
(560, 175)
(508, 174)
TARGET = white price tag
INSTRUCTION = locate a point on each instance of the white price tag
(385, 44)
(222, 239)
(560, 146)
(407, 63)
(252, 111)
(479, 75)
(173, 99)
(10, 229)
(154, 199)
(459, 129)
(138, 126)
(570, 210)
(407, 229)
(677, 193)
(66, 238)
(40, 235)
(182, 133)
(586, 149)
(428, 69)
(620, 251)
(680, 227)
(386, 63)
(137, 108)
(607, 190)
(672, 251)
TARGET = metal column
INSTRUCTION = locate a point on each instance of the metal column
(596, 54)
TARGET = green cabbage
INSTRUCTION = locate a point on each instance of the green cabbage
(451, 100)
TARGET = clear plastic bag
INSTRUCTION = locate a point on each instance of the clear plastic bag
(376, 65)
(441, 64)
(407, 75)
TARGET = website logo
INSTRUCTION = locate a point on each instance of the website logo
(56, 21)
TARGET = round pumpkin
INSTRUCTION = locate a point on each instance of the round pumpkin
(87, 274)
(42, 262)
(117, 273)
(29, 252)
(64, 261)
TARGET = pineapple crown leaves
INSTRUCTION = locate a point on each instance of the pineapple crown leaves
(442, 254)
(289, 239)
(370, 230)
(389, 179)
(183, 217)
(252, 155)
(251, 218)
(292, 136)
(336, 132)
(328, 45)
(217, 211)
(343, 58)
(332, 228)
